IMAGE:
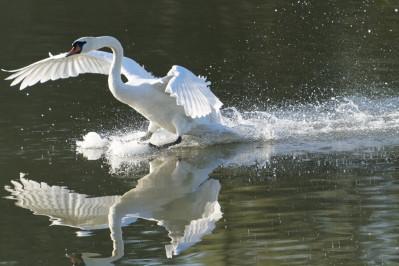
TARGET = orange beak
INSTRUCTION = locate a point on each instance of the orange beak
(75, 50)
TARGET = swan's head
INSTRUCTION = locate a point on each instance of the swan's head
(83, 45)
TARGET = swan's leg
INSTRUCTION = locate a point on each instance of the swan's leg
(167, 145)
(147, 136)
(152, 127)
(180, 124)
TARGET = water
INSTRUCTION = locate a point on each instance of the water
(310, 177)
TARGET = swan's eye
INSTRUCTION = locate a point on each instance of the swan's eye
(81, 43)
(78, 43)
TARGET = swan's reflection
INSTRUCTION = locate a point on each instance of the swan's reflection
(177, 193)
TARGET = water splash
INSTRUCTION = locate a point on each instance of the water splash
(336, 124)
(337, 119)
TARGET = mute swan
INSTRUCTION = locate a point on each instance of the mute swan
(180, 102)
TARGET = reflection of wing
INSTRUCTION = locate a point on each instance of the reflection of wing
(62, 205)
(208, 212)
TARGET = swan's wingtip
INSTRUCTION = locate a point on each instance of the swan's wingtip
(8, 71)
(21, 87)
(9, 78)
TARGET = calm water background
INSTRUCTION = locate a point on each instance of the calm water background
(317, 81)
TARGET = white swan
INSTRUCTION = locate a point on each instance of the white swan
(180, 102)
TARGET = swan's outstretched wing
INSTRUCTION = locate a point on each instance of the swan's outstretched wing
(192, 92)
(61, 66)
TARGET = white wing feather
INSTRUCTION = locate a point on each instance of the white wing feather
(192, 92)
(61, 66)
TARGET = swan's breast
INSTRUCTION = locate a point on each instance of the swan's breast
(153, 103)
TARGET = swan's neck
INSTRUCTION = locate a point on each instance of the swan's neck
(115, 82)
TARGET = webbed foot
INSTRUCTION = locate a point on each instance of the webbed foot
(167, 145)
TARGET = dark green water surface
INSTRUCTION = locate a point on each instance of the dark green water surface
(313, 85)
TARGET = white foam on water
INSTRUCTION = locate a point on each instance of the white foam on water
(92, 140)
(340, 123)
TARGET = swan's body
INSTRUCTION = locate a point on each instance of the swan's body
(180, 102)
